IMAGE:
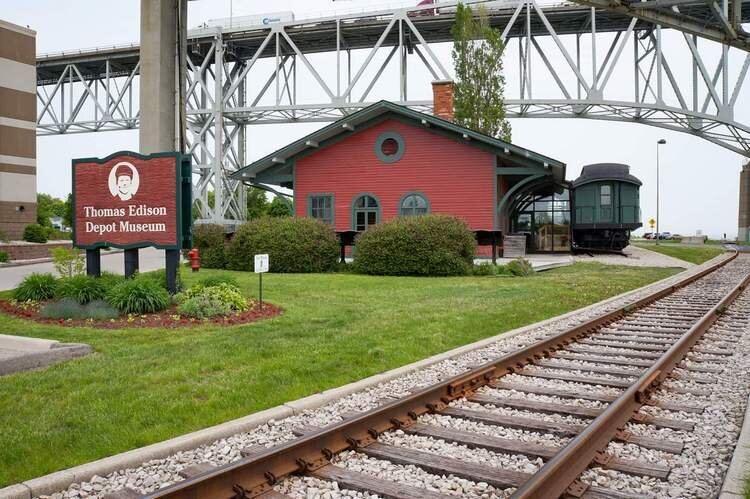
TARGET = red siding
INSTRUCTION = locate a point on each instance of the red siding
(455, 177)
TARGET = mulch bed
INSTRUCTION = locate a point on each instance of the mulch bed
(167, 319)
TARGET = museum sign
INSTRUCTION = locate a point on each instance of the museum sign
(128, 200)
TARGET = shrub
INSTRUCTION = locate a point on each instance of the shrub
(3, 237)
(211, 243)
(108, 280)
(67, 261)
(204, 305)
(68, 308)
(4, 257)
(215, 280)
(484, 268)
(292, 244)
(80, 288)
(35, 233)
(36, 287)
(55, 234)
(520, 267)
(224, 292)
(160, 277)
(138, 296)
(100, 310)
(437, 245)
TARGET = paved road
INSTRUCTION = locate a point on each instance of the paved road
(150, 259)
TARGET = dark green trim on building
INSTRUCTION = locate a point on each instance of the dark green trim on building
(379, 147)
(517, 187)
(406, 195)
(330, 195)
(383, 110)
(354, 210)
(528, 170)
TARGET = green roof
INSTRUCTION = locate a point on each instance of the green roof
(375, 113)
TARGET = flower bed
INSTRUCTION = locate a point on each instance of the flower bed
(168, 318)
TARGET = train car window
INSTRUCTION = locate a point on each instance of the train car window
(605, 193)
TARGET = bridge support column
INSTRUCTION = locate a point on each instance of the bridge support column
(161, 126)
(743, 222)
(157, 93)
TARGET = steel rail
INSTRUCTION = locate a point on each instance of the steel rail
(560, 474)
(257, 474)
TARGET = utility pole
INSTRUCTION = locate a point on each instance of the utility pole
(658, 218)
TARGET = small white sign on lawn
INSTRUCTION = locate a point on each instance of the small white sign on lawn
(261, 264)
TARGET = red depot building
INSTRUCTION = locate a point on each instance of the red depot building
(387, 160)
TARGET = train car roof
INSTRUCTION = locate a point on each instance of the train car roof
(606, 171)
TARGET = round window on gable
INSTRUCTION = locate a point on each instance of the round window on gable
(389, 147)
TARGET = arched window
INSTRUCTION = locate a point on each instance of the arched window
(365, 212)
(413, 204)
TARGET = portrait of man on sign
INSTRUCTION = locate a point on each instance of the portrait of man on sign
(123, 181)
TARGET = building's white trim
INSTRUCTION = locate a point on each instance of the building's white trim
(17, 187)
(17, 76)
(17, 28)
(17, 160)
(27, 125)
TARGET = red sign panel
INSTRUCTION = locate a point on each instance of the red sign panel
(127, 200)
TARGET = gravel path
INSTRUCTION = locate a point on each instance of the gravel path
(697, 472)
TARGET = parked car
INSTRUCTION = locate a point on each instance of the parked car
(648, 235)
(664, 235)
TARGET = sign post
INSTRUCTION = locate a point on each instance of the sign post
(131, 201)
(260, 267)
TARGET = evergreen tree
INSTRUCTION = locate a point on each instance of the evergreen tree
(478, 63)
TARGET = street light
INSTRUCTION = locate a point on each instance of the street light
(658, 143)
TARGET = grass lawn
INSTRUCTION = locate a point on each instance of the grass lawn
(147, 385)
(689, 253)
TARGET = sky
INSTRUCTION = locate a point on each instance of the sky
(699, 180)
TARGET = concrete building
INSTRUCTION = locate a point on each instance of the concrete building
(743, 222)
(17, 128)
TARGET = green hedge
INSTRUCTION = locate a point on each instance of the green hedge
(429, 245)
(35, 233)
(292, 244)
(211, 243)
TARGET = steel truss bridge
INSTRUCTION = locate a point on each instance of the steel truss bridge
(239, 76)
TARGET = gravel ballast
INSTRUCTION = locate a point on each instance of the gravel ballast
(697, 472)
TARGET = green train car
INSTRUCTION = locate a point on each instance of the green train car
(606, 207)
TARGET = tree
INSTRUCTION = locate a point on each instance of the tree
(46, 207)
(279, 208)
(68, 216)
(479, 86)
(257, 203)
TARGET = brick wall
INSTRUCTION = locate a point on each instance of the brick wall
(31, 251)
(442, 99)
(13, 221)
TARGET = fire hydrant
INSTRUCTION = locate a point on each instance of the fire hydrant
(195, 259)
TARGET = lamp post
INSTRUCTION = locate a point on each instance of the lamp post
(658, 143)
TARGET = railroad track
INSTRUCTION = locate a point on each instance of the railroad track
(553, 409)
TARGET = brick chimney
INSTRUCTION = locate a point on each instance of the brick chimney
(442, 99)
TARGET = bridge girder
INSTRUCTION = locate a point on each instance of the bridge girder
(88, 92)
